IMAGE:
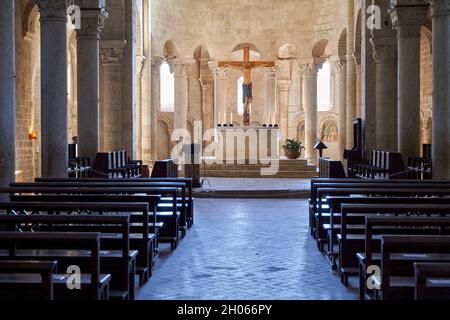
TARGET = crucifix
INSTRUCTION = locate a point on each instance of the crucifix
(246, 66)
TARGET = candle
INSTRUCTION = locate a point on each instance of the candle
(224, 118)
(270, 119)
(231, 121)
(220, 115)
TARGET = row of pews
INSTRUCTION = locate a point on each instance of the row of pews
(392, 235)
(88, 239)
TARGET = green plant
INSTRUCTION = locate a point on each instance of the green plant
(293, 144)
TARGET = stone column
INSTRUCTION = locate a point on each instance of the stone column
(309, 73)
(88, 78)
(7, 93)
(181, 73)
(111, 53)
(220, 88)
(207, 85)
(441, 92)
(54, 87)
(283, 114)
(351, 74)
(340, 81)
(385, 57)
(357, 60)
(156, 67)
(270, 80)
(408, 21)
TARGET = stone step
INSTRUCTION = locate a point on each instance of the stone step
(237, 167)
(257, 174)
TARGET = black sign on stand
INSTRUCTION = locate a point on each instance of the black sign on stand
(192, 159)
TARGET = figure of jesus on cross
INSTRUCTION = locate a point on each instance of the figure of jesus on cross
(246, 66)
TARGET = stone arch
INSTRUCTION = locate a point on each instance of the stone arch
(300, 129)
(342, 44)
(358, 34)
(319, 50)
(163, 140)
(171, 50)
(201, 53)
(287, 51)
(255, 53)
(30, 20)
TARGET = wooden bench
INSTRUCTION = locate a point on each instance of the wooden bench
(432, 281)
(163, 208)
(115, 259)
(141, 238)
(115, 164)
(94, 286)
(378, 190)
(377, 226)
(27, 280)
(333, 227)
(352, 240)
(398, 255)
(187, 181)
(169, 232)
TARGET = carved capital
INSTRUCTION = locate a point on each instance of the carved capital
(181, 67)
(284, 85)
(440, 8)
(309, 68)
(384, 49)
(92, 23)
(157, 62)
(206, 82)
(52, 9)
(270, 72)
(409, 19)
(340, 65)
(218, 72)
(111, 52)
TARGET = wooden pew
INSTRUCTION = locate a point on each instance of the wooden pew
(140, 239)
(163, 208)
(94, 285)
(432, 281)
(379, 190)
(377, 226)
(26, 280)
(116, 260)
(169, 232)
(346, 183)
(351, 240)
(398, 254)
(187, 181)
(333, 227)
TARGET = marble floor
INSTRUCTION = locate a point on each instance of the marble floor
(246, 249)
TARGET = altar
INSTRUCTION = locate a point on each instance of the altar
(247, 145)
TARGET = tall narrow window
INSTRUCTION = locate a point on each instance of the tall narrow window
(324, 88)
(240, 93)
(167, 88)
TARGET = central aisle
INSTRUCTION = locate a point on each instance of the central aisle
(246, 249)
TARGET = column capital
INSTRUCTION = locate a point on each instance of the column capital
(340, 65)
(52, 9)
(284, 85)
(270, 72)
(111, 51)
(218, 72)
(92, 22)
(384, 49)
(408, 17)
(440, 7)
(310, 67)
(157, 62)
(181, 67)
(206, 82)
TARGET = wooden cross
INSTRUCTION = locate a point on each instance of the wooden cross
(246, 64)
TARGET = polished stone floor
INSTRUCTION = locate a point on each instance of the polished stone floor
(246, 249)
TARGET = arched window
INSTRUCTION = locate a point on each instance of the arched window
(240, 93)
(167, 87)
(324, 88)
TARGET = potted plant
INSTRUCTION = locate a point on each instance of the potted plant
(292, 148)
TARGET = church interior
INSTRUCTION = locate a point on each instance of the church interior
(308, 139)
